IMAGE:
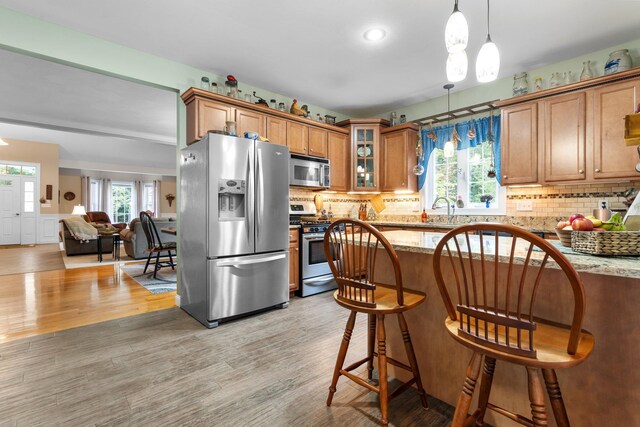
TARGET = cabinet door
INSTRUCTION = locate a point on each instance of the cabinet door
(210, 116)
(564, 137)
(249, 121)
(519, 144)
(338, 149)
(277, 130)
(297, 138)
(365, 154)
(317, 142)
(611, 157)
(398, 158)
(294, 261)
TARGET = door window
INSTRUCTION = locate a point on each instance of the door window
(29, 197)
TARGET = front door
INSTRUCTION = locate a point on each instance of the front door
(10, 209)
(28, 211)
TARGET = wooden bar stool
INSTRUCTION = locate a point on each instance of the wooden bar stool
(354, 246)
(494, 317)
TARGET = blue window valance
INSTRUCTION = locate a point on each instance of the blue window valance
(470, 133)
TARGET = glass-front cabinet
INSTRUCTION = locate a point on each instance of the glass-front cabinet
(365, 153)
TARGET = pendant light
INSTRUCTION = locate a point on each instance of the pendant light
(449, 148)
(456, 33)
(488, 61)
(457, 65)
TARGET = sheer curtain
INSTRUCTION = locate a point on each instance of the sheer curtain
(105, 190)
(433, 138)
(156, 197)
(85, 192)
(138, 197)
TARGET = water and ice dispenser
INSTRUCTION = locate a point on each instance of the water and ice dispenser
(231, 198)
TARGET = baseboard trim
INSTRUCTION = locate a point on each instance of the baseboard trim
(178, 300)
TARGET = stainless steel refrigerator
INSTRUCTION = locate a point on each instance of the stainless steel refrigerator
(234, 221)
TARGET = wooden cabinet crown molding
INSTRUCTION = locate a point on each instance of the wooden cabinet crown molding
(596, 81)
(351, 122)
(195, 93)
(404, 126)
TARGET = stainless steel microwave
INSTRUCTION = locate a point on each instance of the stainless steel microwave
(305, 171)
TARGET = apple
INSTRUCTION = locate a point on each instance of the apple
(582, 224)
(562, 224)
(574, 217)
(599, 229)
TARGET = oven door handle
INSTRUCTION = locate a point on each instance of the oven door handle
(318, 281)
(313, 237)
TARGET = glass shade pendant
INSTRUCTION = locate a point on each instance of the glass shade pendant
(488, 61)
(457, 65)
(448, 149)
(456, 33)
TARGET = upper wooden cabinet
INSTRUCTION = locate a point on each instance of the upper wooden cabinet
(204, 115)
(611, 157)
(398, 147)
(580, 132)
(519, 144)
(277, 130)
(564, 137)
(317, 142)
(250, 121)
(209, 111)
(339, 154)
(297, 138)
(365, 151)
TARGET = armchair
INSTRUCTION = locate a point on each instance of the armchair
(101, 218)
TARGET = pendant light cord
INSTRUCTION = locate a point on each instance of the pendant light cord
(488, 28)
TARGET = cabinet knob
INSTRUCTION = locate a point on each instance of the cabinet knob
(597, 170)
(505, 177)
(295, 249)
(580, 171)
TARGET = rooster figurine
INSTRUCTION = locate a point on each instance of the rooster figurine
(297, 110)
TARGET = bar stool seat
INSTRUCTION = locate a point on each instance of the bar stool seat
(353, 248)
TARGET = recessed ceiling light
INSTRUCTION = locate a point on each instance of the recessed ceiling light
(374, 34)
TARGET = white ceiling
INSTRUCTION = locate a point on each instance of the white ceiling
(315, 50)
(100, 122)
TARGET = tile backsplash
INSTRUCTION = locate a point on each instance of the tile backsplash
(549, 203)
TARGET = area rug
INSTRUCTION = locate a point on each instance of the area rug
(91, 260)
(29, 259)
(165, 281)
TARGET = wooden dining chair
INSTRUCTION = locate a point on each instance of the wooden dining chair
(494, 281)
(355, 247)
(155, 245)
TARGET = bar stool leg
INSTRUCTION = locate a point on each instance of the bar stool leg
(536, 397)
(469, 386)
(371, 344)
(555, 396)
(412, 359)
(485, 389)
(382, 370)
(342, 354)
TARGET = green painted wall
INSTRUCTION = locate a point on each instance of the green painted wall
(502, 88)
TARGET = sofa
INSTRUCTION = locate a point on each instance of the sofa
(135, 241)
(101, 218)
(77, 247)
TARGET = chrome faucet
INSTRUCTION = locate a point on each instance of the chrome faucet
(449, 207)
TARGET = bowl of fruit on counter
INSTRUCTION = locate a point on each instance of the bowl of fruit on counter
(591, 235)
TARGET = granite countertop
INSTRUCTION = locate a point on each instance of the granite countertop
(425, 242)
(293, 227)
(442, 226)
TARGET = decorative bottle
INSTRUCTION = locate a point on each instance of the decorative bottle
(520, 84)
(538, 84)
(586, 71)
(423, 217)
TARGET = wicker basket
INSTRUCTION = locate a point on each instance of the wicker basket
(564, 236)
(606, 242)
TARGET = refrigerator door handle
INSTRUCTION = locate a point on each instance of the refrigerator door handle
(249, 214)
(232, 263)
(259, 194)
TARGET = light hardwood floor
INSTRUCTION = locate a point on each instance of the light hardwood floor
(43, 302)
(164, 368)
(23, 259)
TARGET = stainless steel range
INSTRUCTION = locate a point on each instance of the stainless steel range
(315, 273)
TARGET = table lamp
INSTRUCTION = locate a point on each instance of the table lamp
(78, 210)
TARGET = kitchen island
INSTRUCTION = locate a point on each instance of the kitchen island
(604, 390)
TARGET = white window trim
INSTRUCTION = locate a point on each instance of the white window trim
(426, 196)
(131, 204)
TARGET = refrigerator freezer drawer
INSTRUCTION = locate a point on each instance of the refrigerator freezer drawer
(241, 285)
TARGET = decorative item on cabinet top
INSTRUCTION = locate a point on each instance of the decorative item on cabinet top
(619, 60)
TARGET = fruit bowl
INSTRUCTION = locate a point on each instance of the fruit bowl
(564, 236)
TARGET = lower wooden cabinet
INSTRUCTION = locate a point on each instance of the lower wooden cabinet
(294, 260)
(339, 155)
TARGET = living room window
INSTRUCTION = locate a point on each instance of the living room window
(148, 197)
(122, 202)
